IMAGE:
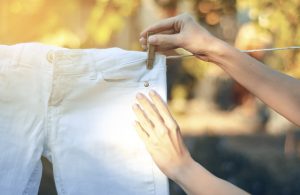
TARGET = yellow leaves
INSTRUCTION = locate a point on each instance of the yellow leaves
(74, 23)
(107, 18)
(28, 6)
(252, 36)
(62, 37)
(15, 7)
(282, 19)
(126, 7)
(102, 34)
(195, 67)
(102, 27)
(179, 98)
(179, 92)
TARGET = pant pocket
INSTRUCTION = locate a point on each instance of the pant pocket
(131, 74)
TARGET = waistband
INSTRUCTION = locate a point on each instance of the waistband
(76, 61)
(60, 60)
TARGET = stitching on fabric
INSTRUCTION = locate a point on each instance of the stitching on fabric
(31, 182)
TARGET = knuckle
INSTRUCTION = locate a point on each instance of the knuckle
(172, 125)
(159, 40)
(163, 132)
(150, 123)
(154, 143)
(180, 41)
(149, 147)
(187, 16)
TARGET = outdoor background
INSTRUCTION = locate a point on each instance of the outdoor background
(230, 132)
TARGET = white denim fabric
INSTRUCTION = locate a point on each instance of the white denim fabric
(74, 106)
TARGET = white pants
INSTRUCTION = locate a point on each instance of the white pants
(74, 107)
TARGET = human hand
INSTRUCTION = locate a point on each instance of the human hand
(161, 135)
(181, 31)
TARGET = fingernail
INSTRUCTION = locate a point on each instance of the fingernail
(135, 107)
(152, 92)
(134, 124)
(152, 39)
(144, 47)
(139, 96)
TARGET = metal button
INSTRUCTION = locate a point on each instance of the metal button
(146, 84)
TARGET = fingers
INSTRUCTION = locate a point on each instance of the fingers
(143, 120)
(164, 42)
(169, 121)
(143, 40)
(163, 110)
(174, 23)
(149, 109)
(156, 124)
(166, 24)
(152, 113)
(181, 31)
(166, 34)
(141, 132)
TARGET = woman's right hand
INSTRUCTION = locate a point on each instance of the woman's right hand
(181, 31)
(161, 135)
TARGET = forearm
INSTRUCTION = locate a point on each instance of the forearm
(281, 92)
(195, 180)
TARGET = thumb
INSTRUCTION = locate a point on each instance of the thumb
(162, 39)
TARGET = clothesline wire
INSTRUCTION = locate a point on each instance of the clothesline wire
(244, 51)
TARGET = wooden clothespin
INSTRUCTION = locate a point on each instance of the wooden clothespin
(151, 52)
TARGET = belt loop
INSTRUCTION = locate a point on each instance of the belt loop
(50, 56)
(93, 62)
(51, 59)
(17, 57)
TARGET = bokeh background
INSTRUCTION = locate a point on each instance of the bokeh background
(228, 130)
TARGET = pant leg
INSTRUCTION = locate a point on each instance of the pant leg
(94, 148)
(23, 91)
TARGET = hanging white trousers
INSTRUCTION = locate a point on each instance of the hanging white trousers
(74, 106)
